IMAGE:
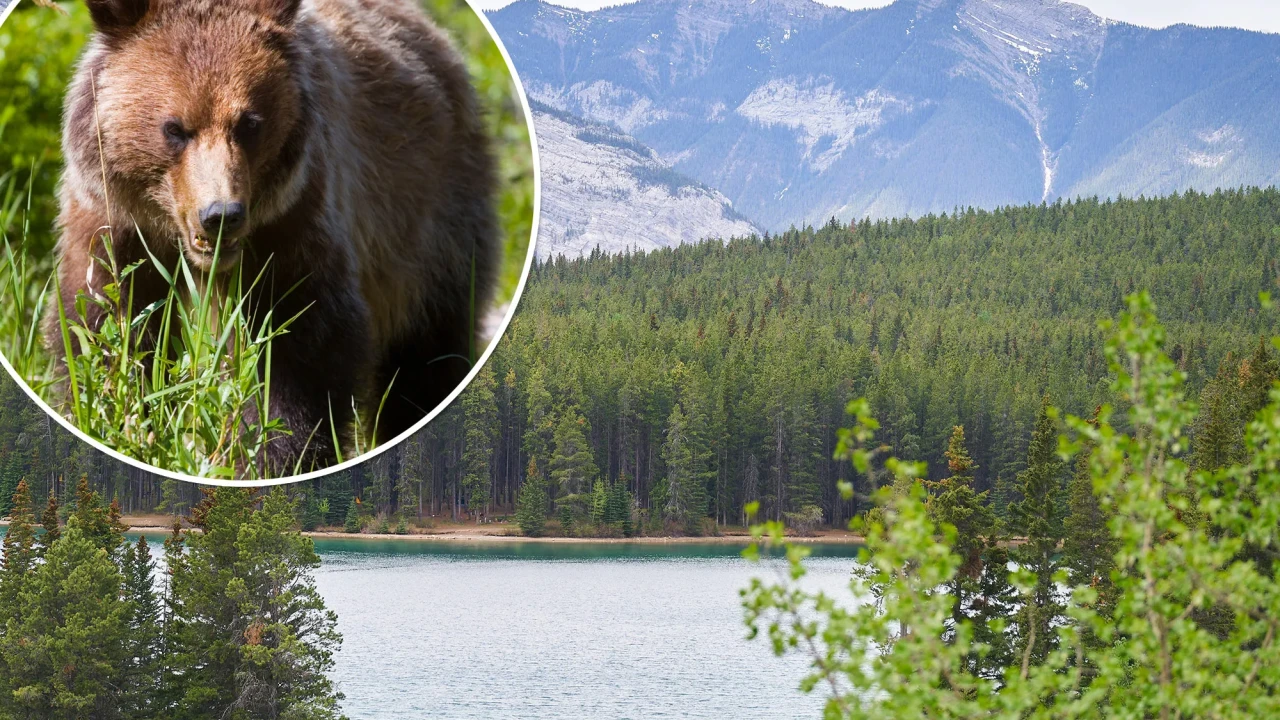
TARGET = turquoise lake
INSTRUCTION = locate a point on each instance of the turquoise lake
(543, 631)
(564, 631)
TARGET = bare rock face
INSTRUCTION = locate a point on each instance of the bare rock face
(797, 112)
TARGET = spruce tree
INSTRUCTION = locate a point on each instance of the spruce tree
(531, 503)
(10, 476)
(49, 521)
(68, 653)
(540, 422)
(685, 496)
(171, 500)
(1088, 548)
(1218, 433)
(16, 567)
(599, 503)
(618, 510)
(480, 420)
(310, 516)
(19, 554)
(1037, 517)
(573, 467)
(407, 496)
(954, 502)
(99, 523)
(1258, 375)
(353, 523)
(143, 668)
(251, 634)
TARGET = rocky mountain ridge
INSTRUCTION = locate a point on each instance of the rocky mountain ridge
(796, 112)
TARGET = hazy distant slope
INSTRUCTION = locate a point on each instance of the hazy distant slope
(797, 111)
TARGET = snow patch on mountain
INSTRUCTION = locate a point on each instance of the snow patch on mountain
(1008, 43)
(601, 188)
(603, 102)
(1212, 148)
(819, 111)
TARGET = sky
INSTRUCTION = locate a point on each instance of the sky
(1261, 15)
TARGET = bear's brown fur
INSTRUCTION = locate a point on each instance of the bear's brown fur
(343, 137)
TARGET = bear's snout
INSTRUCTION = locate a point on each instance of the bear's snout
(223, 219)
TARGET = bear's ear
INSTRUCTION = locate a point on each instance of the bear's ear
(117, 17)
(282, 11)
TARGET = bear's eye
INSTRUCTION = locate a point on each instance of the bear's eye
(176, 135)
(248, 129)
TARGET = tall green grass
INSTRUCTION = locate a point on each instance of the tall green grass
(176, 383)
(169, 384)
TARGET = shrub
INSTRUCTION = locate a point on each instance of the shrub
(1187, 629)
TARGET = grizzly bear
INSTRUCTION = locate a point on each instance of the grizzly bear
(335, 147)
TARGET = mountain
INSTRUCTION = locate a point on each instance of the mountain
(602, 188)
(797, 112)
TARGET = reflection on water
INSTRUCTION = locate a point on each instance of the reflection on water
(525, 630)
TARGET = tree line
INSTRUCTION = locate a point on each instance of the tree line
(231, 624)
(692, 381)
(709, 376)
(705, 377)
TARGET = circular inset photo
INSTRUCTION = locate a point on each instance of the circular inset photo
(255, 240)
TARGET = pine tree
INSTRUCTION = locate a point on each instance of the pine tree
(599, 503)
(353, 523)
(49, 521)
(66, 656)
(1038, 518)
(682, 507)
(251, 635)
(954, 502)
(480, 420)
(101, 525)
(143, 669)
(531, 503)
(573, 467)
(540, 427)
(19, 555)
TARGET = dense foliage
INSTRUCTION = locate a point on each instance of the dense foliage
(1166, 608)
(233, 627)
(712, 375)
(968, 320)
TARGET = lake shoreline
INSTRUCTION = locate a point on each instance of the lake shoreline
(481, 538)
(500, 533)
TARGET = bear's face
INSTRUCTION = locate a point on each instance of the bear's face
(196, 101)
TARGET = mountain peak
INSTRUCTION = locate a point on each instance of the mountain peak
(796, 111)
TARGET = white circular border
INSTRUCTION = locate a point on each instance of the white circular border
(475, 370)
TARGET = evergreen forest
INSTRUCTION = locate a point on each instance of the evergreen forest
(228, 623)
(686, 383)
